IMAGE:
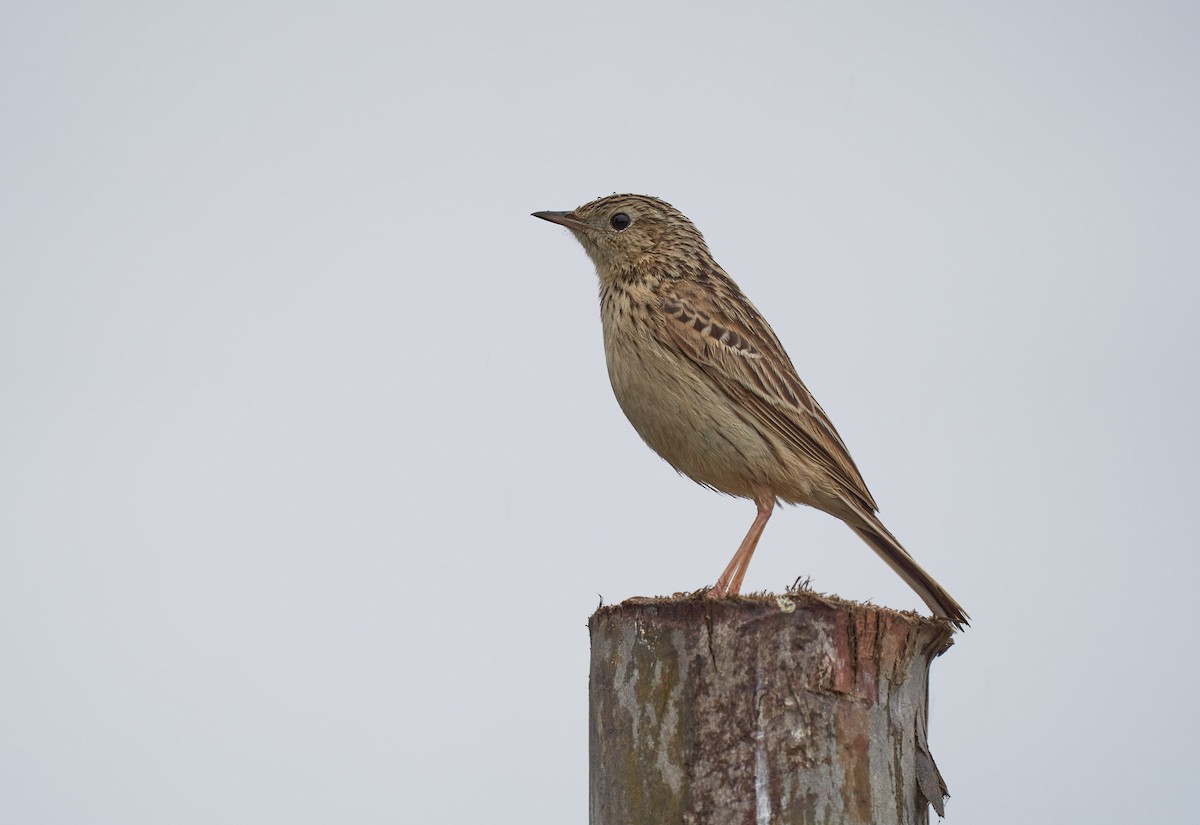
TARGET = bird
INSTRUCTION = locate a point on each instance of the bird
(707, 385)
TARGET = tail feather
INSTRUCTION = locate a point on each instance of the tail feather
(880, 539)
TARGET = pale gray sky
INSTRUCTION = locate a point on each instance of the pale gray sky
(311, 472)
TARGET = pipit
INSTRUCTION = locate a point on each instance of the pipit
(705, 382)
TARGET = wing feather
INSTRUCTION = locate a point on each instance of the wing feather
(741, 355)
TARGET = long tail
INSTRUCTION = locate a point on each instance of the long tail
(891, 551)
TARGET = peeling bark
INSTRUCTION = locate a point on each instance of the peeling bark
(763, 709)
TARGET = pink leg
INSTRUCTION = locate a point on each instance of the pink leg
(731, 580)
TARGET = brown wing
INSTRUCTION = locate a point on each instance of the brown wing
(736, 348)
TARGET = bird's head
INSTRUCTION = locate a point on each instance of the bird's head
(626, 233)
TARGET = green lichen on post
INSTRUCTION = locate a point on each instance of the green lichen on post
(654, 673)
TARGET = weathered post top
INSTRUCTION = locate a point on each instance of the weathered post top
(761, 709)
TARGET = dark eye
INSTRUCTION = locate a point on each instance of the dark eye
(620, 221)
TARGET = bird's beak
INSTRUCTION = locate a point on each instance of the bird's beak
(566, 219)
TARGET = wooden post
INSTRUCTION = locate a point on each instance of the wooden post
(761, 709)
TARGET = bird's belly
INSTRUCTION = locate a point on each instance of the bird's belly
(687, 421)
